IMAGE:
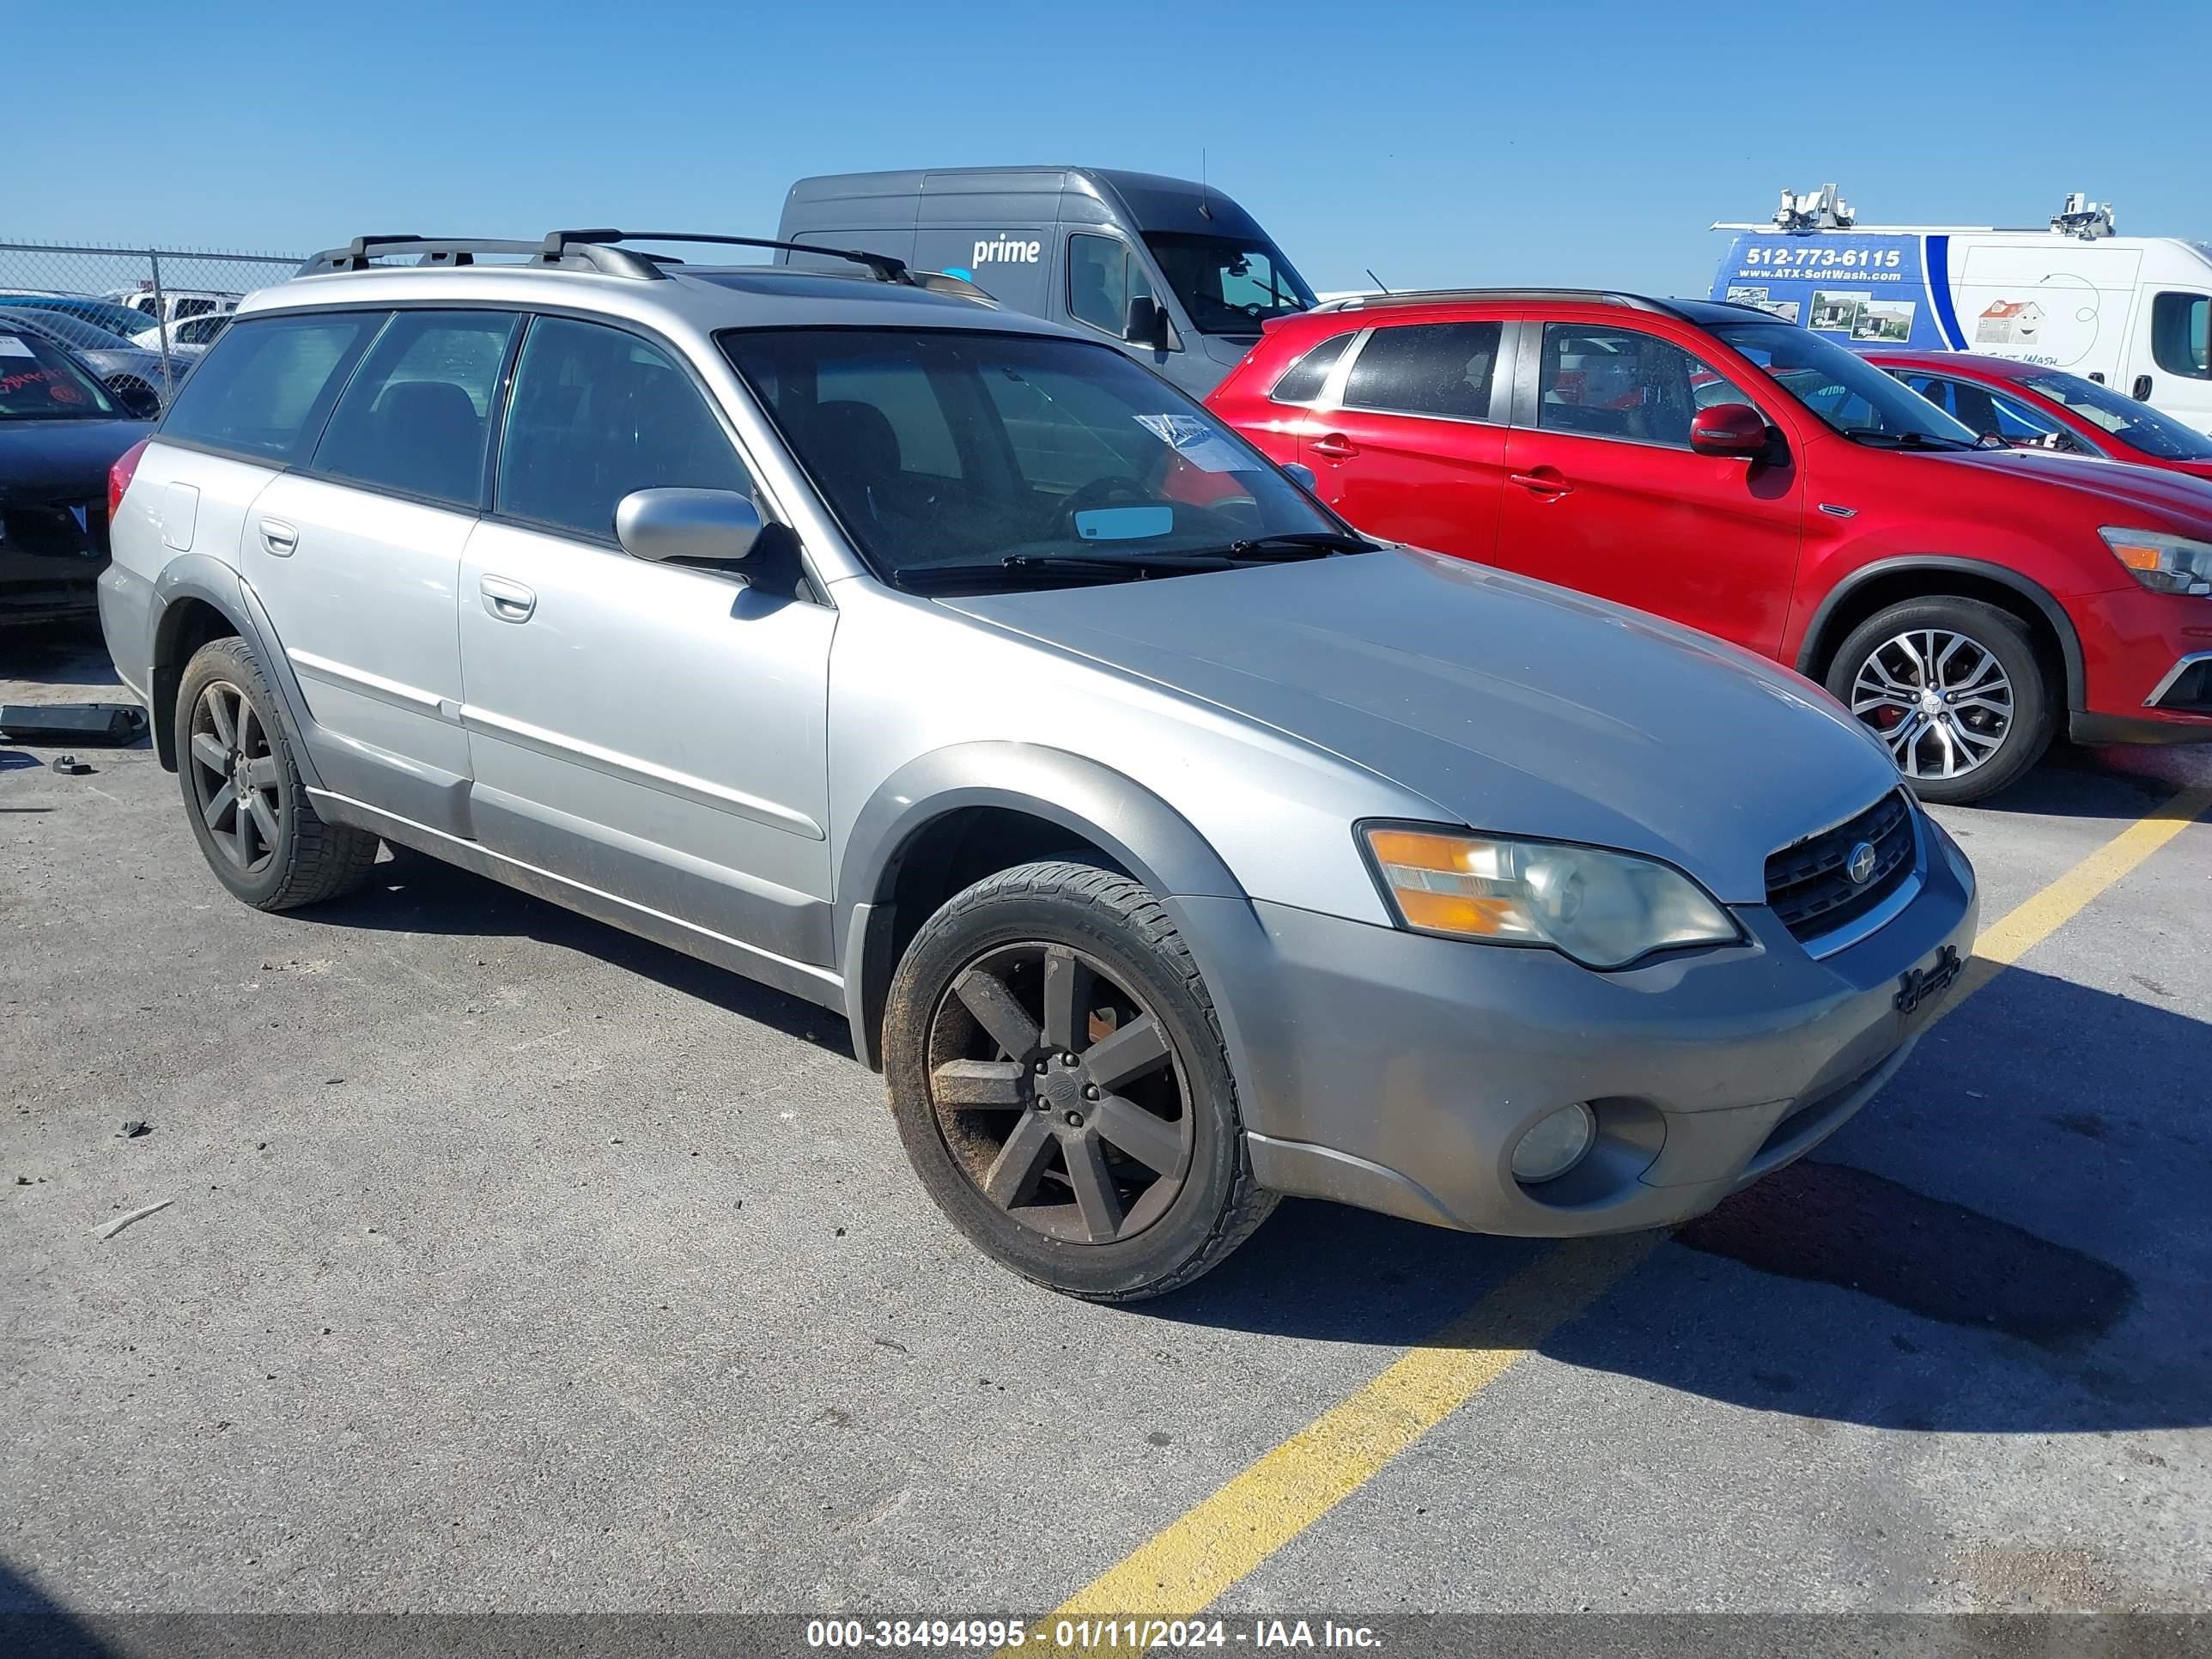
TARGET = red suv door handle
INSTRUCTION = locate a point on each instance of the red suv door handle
(1542, 482)
(1335, 446)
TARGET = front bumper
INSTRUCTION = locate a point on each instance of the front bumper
(2138, 652)
(1395, 1071)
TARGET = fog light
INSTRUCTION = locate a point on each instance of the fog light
(1554, 1145)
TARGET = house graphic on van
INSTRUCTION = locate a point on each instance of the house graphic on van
(2009, 322)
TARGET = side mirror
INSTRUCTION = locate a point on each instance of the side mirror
(687, 526)
(137, 399)
(1146, 325)
(1730, 429)
(1301, 476)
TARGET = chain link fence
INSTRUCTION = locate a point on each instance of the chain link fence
(139, 317)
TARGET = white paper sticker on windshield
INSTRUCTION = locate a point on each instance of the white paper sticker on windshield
(12, 347)
(1200, 444)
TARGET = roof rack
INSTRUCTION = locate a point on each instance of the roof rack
(1445, 295)
(589, 250)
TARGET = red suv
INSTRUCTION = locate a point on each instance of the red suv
(1731, 471)
(2031, 406)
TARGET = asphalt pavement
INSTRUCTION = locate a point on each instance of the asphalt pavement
(509, 1264)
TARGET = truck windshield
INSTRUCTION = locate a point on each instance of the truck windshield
(2131, 423)
(1844, 390)
(1002, 459)
(1228, 285)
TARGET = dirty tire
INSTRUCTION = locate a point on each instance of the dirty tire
(1117, 924)
(306, 860)
(2006, 638)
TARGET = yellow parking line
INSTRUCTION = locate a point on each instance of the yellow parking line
(1181, 1571)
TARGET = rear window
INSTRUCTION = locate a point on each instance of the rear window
(1310, 373)
(266, 386)
(414, 415)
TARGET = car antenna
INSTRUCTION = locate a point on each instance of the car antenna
(1377, 281)
(1205, 205)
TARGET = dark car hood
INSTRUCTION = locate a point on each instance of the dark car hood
(2170, 495)
(64, 460)
(1515, 706)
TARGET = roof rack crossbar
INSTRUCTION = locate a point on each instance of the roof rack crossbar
(1445, 295)
(363, 253)
(886, 268)
(592, 249)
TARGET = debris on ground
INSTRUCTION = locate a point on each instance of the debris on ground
(73, 722)
(135, 1127)
(109, 1229)
(69, 766)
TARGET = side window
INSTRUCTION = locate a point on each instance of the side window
(2180, 340)
(596, 413)
(193, 308)
(1620, 383)
(416, 413)
(1102, 279)
(1426, 368)
(1310, 373)
(1937, 393)
(266, 386)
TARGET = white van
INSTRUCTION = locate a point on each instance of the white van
(2134, 313)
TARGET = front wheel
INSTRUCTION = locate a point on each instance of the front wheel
(1954, 689)
(1058, 1077)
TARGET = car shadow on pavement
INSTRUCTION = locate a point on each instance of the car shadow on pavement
(32, 1626)
(414, 893)
(2120, 783)
(2013, 1239)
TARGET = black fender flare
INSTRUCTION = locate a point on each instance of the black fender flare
(1137, 828)
(201, 577)
(2061, 625)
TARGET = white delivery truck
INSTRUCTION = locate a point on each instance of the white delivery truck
(2134, 313)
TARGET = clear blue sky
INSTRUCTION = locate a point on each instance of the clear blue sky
(1451, 142)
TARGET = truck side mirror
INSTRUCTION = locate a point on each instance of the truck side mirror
(1146, 323)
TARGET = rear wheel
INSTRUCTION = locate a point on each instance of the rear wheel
(1058, 1077)
(248, 808)
(1954, 689)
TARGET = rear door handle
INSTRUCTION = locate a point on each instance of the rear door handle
(1335, 446)
(2142, 391)
(509, 601)
(1542, 482)
(279, 538)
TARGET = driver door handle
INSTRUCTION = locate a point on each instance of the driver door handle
(1542, 482)
(509, 601)
(1335, 446)
(279, 538)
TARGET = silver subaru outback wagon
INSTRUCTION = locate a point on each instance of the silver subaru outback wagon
(1169, 846)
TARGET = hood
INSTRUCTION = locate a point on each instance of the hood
(2174, 499)
(1515, 706)
(2190, 469)
(64, 460)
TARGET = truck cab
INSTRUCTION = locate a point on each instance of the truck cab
(2133, 313)
(1177, 273)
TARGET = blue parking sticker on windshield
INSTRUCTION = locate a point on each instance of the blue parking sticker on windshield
(1203, 446)
(1123, 524)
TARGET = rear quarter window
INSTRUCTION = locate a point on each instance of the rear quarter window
(1310, 373)
(266, 386)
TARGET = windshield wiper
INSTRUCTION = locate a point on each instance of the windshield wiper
(922, 578)
(1877, 436)
(1298, 544)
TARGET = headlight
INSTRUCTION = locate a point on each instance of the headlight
(2163, 563)
(1604, 909)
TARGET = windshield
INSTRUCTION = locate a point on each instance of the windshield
(119, 319)
(69, 330)
(1844, 390)
(1227, 284)
(37, 382)
(940, 449)
(2138, 424)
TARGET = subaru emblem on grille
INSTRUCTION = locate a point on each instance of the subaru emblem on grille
(1860, 865)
